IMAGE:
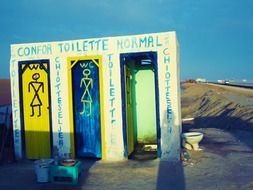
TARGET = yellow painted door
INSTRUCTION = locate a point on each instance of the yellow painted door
(35, 108)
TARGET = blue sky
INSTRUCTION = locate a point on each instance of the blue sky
(215, 36)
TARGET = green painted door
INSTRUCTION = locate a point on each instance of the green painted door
(129, 110)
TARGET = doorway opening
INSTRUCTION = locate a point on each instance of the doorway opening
(141, 126)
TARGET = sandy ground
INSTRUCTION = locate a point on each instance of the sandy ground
(226, 161)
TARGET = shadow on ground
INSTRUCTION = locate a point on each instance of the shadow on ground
(170, 176)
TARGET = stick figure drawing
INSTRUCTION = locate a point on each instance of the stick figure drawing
(86, 98)
(35, 87)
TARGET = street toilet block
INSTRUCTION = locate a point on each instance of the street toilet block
(96, 97)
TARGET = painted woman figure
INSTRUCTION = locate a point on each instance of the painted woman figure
(86, 97)
(36, 86)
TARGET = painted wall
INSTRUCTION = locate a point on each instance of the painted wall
(104, 53)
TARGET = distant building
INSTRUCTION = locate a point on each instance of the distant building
(5, 102)
(223, 81)
(201, 80)
(5, 92)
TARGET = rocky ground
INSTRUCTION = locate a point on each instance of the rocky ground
(223, 114)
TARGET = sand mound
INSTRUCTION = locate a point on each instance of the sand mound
(211, 107)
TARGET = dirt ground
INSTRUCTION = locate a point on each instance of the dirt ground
(225, 116)
(226, 161)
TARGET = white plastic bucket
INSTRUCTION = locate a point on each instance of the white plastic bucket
(42, 168)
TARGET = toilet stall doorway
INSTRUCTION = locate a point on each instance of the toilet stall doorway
(141, 126)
